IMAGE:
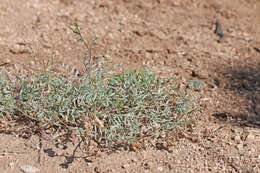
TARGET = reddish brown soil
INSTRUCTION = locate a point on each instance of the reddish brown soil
(174, 38)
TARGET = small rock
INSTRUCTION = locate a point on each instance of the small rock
(160, 169)
(19, 48)
(175, 3)
(29, 169)
(11, 164)
(237, 138)
(88, 164)
(250, 137)
(125, 166)
(240, 148)
(196, 85)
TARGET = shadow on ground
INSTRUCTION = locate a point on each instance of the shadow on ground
(244, 82)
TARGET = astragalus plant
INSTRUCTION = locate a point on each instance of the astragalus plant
(114, 110)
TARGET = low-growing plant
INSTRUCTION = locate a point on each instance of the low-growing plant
(115, 110)
(119, 109)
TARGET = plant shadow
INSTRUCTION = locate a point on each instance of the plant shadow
(69, 158)
(245, 83)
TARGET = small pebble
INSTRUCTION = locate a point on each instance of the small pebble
(160, 169)
(125, 166)
(29, 169)
(11, 164)
(240, 147)
(196, 85)
(237, 138)
(250, 137)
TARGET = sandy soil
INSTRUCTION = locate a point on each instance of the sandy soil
(174, 38)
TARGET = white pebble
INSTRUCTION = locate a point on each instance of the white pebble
(29, 169)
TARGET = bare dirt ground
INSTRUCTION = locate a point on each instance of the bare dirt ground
(174, 38)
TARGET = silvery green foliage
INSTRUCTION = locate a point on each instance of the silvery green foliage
(125, 107)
